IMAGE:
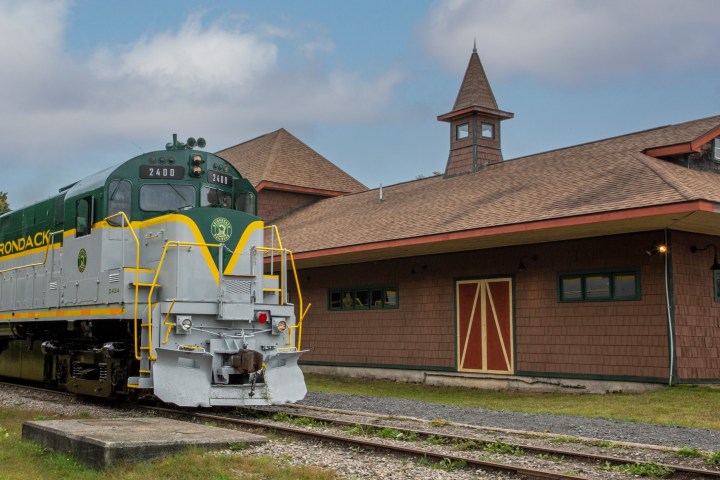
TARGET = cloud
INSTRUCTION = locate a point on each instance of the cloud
(223, 80)
(195, 60)
(570, 40)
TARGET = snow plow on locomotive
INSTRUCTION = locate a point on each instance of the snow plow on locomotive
(152, 277)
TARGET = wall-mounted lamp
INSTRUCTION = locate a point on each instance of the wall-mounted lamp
(522, 265)
(715, 265)
(657, 248)
(419, 268)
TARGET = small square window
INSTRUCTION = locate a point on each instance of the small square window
(716, 277)
(362, 298)
(462, 131)
(716, 150)
(571, 288)
(390, 298)
(335, 300)
(597, 286)
(625, 285)
(487, 130)
(348, 300)
(376, 298)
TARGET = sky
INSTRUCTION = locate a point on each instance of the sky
(87, 84)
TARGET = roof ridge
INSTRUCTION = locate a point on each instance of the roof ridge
(666, 176)
(270, 164)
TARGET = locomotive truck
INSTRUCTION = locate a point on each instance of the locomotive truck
(152, 277)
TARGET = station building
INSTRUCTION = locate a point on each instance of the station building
(590, 268)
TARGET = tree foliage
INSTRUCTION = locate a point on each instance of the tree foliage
(3, 202)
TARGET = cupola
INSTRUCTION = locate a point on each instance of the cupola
(474, 123)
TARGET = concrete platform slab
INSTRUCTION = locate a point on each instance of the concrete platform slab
(99, 443)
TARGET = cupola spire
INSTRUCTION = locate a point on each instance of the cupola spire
(474, 122)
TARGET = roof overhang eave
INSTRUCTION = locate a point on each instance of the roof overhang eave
(692, 216)
(502, 115)
(693, 146)
(265, 184)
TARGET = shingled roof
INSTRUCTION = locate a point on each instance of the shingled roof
(280, 158)
(599, 188)
(475, 89)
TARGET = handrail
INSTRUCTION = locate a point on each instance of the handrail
(126, 223)
(275, 233)
(168, 324)
(37, 264)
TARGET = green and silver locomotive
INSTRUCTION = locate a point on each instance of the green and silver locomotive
(152, 277)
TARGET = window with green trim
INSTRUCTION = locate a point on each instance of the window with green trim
(363, 298)
(716, 284)
(605, 285)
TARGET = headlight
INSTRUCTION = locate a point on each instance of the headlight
(279, 326)
(183, 324)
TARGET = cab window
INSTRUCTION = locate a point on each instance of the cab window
(214, 197)
(119, 200)
(83, 216)
(245, 202)
(164, 197)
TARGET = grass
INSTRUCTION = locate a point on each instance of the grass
(381, 432)
(20, 460)
(444, 464)
(592, 443)
(685, 405)
(639, 469)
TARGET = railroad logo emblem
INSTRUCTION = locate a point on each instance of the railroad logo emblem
(221, 229)
(82, 260)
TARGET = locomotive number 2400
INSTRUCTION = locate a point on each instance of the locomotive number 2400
(150, 171)
(220, 179)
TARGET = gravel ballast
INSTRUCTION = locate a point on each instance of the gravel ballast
(614, 430)
(355, 463)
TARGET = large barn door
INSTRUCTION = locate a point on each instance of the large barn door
(485, 325)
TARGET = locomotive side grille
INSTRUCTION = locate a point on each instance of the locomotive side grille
(53, 285)
(113, 277)
(239, 286)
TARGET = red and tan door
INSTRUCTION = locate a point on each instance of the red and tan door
(485, 325)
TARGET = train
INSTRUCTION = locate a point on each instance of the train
(152, 278)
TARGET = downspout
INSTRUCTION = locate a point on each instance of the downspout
(671, 331)
(475, 165)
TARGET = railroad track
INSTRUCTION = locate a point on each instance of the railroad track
(671, 470)
(323, 426)
(312, 414)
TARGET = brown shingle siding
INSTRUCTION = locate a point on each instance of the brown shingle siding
(627, 338)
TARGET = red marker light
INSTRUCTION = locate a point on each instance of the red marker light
(262, 317)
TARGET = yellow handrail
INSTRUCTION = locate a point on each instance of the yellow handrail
(37, 264)
(153, 284)
(168, 324)
(302, 311)
(126, 223)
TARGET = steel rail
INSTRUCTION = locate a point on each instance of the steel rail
(473, 462)
(677, 469)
